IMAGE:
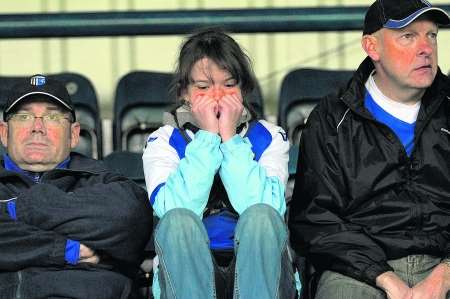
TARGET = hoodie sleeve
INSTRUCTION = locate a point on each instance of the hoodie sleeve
(179, 175)
(263, 168)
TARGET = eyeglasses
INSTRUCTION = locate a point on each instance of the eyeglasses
(51, 119)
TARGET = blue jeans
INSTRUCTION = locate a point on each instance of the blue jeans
(263, 268)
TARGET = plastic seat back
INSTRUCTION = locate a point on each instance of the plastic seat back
(140, 101)
(84, 98)
(301, 90)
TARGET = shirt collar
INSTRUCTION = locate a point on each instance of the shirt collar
(12, 166)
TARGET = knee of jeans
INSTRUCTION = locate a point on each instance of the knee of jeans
(179, 222)
(261, 218)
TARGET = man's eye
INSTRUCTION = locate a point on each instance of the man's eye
(407, 36)
(24, 116)
(52, 117)
(433, 35)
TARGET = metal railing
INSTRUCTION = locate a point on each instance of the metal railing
(132, 23)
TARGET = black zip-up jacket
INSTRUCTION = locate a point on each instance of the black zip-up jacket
(87, 203)
(359, 200)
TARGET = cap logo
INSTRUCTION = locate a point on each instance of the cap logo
(37, 80)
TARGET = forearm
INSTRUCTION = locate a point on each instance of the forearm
(442, 275)
(104, 217)
(338, 246)
(394, 286)
(22, 245)
(188, 185)
(239, 171)
(445, 264)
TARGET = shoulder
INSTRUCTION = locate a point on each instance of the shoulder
(264, 135)
(165, 136)
(261, 129)
(163, 133)
(332, 110)
(165, 141)
(83, 163)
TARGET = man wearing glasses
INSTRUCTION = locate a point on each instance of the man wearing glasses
(68, 227)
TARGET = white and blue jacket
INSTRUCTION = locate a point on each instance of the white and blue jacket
(253, 167)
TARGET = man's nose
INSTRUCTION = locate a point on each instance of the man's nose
(38, 124)
(426, 46)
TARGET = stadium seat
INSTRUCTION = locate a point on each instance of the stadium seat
(129, 164)
(301, 90)
(140, 101)
(84, 99)
(2, 107)
(256, 101)
(292, 168)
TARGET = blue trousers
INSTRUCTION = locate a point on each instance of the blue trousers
(263, 268)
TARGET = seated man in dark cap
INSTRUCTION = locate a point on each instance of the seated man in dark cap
(371, 205)
(69, 228)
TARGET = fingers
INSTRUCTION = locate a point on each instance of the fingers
(87, 255)
(205, 111)
(93, 260)
(230, 108)
(85, 252)
(218, 115)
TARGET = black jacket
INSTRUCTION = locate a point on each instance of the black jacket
(359, 200)
(87, 203)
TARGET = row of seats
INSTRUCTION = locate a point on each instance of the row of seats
(141, 97)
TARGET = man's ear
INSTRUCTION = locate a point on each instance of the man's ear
(371, 46)
(74, 134)
(4, 133)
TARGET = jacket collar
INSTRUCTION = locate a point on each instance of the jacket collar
(10, 165)
(75, 162)
(353, 97)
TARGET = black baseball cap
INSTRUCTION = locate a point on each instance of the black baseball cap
(53, 90)
(396, 14)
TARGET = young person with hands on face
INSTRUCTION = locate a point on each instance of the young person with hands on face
(216, 177)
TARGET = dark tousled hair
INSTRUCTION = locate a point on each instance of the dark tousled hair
(219, 47)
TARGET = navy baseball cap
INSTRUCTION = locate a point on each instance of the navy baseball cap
(53, 90)
(396, 14)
